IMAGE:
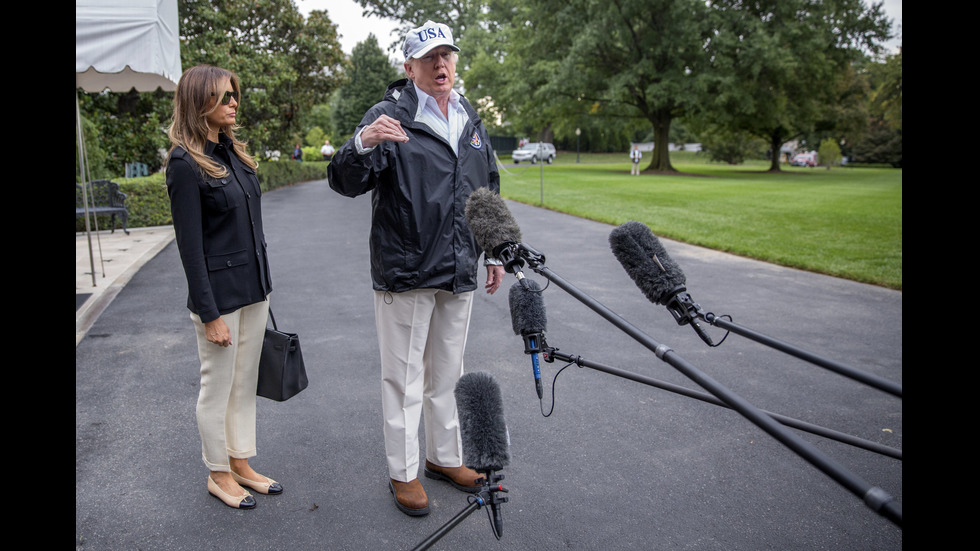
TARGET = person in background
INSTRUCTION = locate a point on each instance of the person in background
(635, 157)
(216, 205)
(298, 153)
(326, 150)
(421, 151)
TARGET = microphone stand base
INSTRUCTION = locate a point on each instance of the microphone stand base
(487, 496)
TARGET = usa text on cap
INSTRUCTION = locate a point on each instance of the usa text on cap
(420, 40)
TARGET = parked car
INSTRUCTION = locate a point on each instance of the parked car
(804, 159)
(534, 152)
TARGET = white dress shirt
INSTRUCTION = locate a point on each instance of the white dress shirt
(429, 114)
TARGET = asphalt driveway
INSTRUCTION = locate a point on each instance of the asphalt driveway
(617, 465)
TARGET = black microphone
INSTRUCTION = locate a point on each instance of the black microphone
(527, 315)
(483, 431)
(495, 229)
(647, 262)
(655, 273)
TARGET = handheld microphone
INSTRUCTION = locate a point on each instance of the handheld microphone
(486, 442)
(529, 320)
(655, 273)
(495, 229)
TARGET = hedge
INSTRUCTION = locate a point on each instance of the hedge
(149, 204)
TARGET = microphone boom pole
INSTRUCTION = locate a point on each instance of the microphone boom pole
(647, 262)
(446, 528)
(552, 354)
(847, 371)
(876, 498)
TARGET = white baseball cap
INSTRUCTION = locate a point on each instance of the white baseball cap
(420, 40)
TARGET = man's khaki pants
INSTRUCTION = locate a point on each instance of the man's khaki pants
(422, 336)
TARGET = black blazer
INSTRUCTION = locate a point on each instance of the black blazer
(218, 224)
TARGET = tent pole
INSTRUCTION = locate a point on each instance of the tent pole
(95, 219)
(81, 164)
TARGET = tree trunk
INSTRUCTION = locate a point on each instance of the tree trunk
(547, 135)
(776, 145)
(660, 158)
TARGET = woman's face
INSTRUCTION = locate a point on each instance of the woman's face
(224, 114)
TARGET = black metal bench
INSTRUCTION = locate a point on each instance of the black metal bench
(104, 198)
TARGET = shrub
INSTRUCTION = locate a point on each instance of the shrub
(732, 147)
(277, 174)
(829, 153)
(882, 145)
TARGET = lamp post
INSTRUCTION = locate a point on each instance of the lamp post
(578, 133)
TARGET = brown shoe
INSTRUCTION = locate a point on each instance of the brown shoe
(462, 478)
(410, 497)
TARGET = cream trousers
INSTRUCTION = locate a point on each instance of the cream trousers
(422, 336)
(229, 375)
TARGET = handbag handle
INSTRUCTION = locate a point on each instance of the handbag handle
(273, 318)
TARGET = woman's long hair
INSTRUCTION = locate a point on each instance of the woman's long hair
(196, 97)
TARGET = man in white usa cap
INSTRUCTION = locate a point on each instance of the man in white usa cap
(421, 152)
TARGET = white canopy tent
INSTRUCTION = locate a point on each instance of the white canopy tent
(121, 45)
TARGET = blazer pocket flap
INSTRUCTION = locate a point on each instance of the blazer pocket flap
(222, 261)
(218, 182)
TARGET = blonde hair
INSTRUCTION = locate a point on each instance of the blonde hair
(196, 97)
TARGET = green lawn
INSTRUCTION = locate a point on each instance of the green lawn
(845, 222)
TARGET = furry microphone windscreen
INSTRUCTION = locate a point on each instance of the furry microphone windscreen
(486, 443)
(646, 261)
(527, 313)
(490, 220)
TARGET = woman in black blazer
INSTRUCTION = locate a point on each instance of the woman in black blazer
(216, 205)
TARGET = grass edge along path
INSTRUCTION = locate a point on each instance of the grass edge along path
(844, 222)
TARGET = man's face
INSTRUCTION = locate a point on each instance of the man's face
(434, 72)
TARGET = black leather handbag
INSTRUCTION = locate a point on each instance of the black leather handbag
(282, 373)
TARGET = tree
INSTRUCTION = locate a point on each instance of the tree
(886, 97)
(314, 137)
(649, 56)
(846, 119)
(618, 61)
(131, 127)
(94, 155)
(883, 144)
(370, 75)
(778, 65)
(318, 116)
(829, 153)
(286, 64)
